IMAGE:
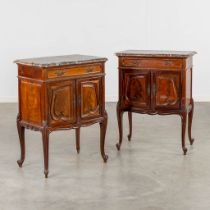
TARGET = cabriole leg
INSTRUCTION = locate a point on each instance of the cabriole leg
(190, 117)
(120, 125)
(45, 140)
(78, 140)
(184, 119)
(130, 125)
(21, 133)
(103, 126)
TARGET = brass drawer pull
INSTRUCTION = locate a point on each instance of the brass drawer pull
(167, 63)
(59, 73)
(136, 62)
(90, 70)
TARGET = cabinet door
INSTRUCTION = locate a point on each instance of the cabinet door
(90, 93)
(137, 88)
(167, 90)
(62, 102)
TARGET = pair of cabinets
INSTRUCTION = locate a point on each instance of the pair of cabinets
(66, 92)
(151, 90)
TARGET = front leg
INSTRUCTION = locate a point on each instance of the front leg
(78, 140)
(120, 125)
(184, 119)
(130, 125)
(45, 140)
(21, 133)
(103, 126)
(190, 117)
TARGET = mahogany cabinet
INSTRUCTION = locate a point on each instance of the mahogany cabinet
(63, 92)
(155, 82)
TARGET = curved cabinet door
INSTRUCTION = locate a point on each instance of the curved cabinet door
(167, 90)
(62, 103)
(137, 89)
(89, 98)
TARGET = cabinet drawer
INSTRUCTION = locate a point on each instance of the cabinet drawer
(152, 63)
(73, 71)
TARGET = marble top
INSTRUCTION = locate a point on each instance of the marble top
(60, 60)
(156, 53)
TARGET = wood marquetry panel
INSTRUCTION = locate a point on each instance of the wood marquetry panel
(137, 89)
(62, 107)
(167, 89)
(90, 98)
(30, 102)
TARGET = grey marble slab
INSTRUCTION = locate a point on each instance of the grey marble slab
(156, 53)
(60, 60)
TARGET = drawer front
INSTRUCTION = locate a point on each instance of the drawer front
(74, 71)
(151, 63)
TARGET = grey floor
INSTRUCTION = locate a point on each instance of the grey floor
(149, 173)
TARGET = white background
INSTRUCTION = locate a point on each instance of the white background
(31, 28)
